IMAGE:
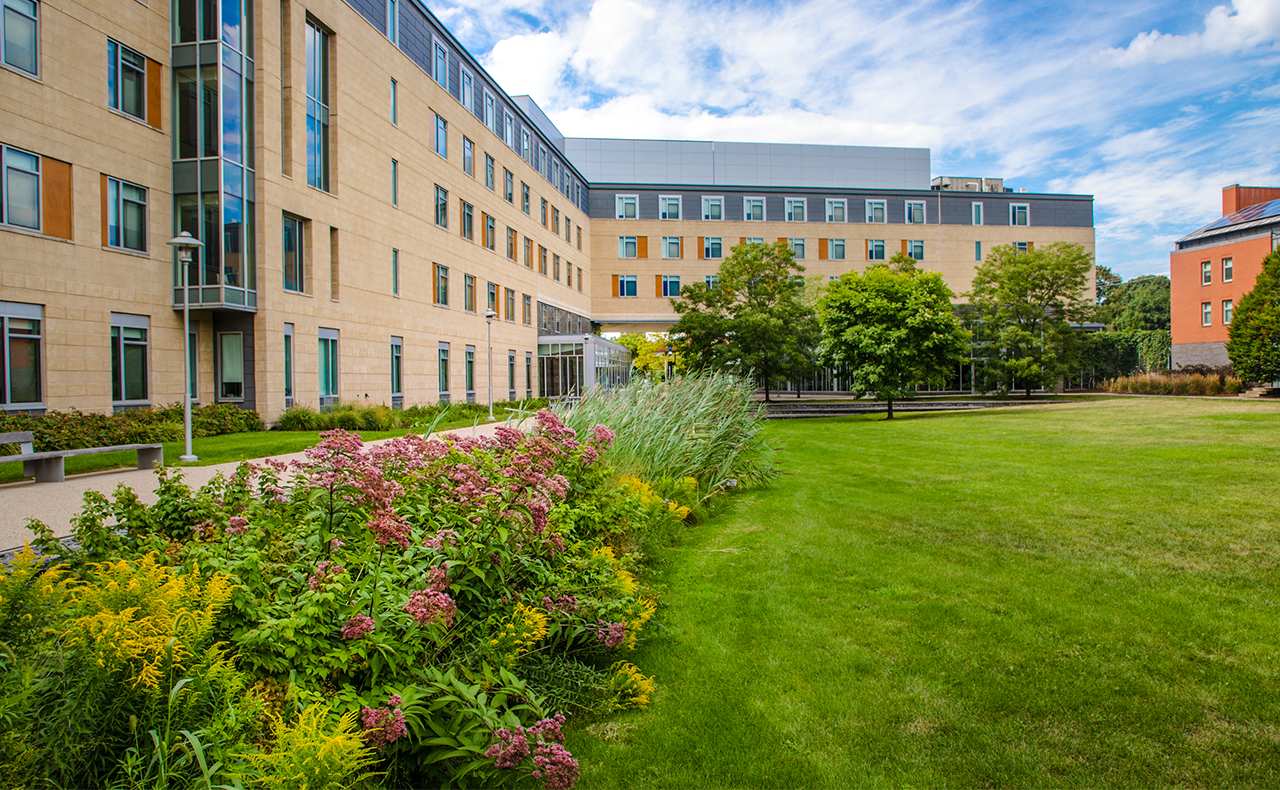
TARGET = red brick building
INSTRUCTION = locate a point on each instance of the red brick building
(1212, 268)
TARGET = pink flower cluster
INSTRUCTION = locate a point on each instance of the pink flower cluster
(565, 603)
(612, 634)
(553, 764)
(440, 538)
(326, 572)
(383, 725)
(238, 525)
(340, 464)
(433, 604)
(388, 528)
(358, 627)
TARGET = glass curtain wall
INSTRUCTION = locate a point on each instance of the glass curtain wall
(572, 365)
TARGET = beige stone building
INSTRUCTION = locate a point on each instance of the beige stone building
(366, 193)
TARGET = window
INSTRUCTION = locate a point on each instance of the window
(1021, 246)
(21, 40)
(443, 371)
(511, 243)
(1206, 273)
(524, 144)
(528, 373)
(1226, 312)
(526, 312)
(393, 21)
(528, 252)
(468, 90)
(488, 172)
(511, 372)
(913, 212)
(626, 246)
(395, 272)
(568, 274)
(544, 212)
(21, 187)
(555, 267)
(753, 209)
(20, 380)
(490, 233)
(442, 137)
(627, 285)
(875, 211)
(328, 367)
(288, 366)
(670, 285)
(442, 285)
(836, 246)
(395, 183)
(915, 250)
(1019, 214)
(713, 208)
(669, 206)
(511, 304)
(795, 209)
(671, 246)
(442, 207)
(875, 249)
(395, 109)
(468, 216)
(441, 66)
(397, 366)
(555, 220)
(294, 255)
(126, 79)
(753, 240)
(508, 186)
(489, 118)
(469, 293)
(468, 157)
(1226, 270)
(542, 260)
(126, 215)
(492, 297)
(626, 205)
(797, 248)
(524, 196)
(508, 129)
(129, 337)
(976, 210)
(579, 237)
(230, 366)
(711, 247)
(470, 371)
(1206, 313)
(317, 107)
(837, 211)
(977, 251)
(579, 278)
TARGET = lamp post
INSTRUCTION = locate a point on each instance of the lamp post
(489, 315)
(185, 243)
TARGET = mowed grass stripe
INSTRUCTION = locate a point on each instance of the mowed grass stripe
(1063, 596)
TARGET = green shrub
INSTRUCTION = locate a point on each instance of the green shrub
(296, 418)
(71, 430)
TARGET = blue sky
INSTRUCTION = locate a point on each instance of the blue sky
(1152, 107)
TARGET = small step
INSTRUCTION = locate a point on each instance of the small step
(1261, 392)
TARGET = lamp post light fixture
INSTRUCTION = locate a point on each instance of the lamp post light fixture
(186, 243)
(489, 315)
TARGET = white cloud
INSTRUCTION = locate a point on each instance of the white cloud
(1247, 24)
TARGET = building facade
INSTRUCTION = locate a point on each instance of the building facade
(1212, 268)
(373, 206)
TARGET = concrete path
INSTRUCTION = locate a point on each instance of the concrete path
(57, 503)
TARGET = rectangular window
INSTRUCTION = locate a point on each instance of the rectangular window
(626, 246)
(711, 247)
(442, 207)
(1206, 273)
(317, 42)
(753, 209)
(328, 367)
(395, 109)
(490, 233)
(795, 209)
(294, 255)
(524, 144)
(288, 366)
(876, 211)
(470, 371)
(579, 278)
(544, 212)
(1206, 313)
(440, 67)
(526, 312)
(395, 272)
(915, 250)
(468, 90)
(20, 189)
(397, 366)
(528, 373)
(510, 304)
(126, 215)
(976, 209)
(542, 260)
(875, 249)
(837, 211)
(1019, 214)
(555, 267)
(508, 129)
(797, 248)
(20, 354)
(837, 249)
(977, 251)
(671, 246)
(20, 45)
(627, 285)
(555, 220)
(231, 366)
(670, 285)
(395, 183)
(442, 373)
(524, 197)
(511, 243)
(511, 372)
(442, 137)
(488, 172)
(669, 206)
(579, 237)
(489, 111)
(913, 212)
(442, 285)
(753, 240)
(492, 297)
(1226, 312)
(1226, 270)
(568, 274)
(626, 205)
(468, 218)
(713, 208)
(468, 157)
(126, 79)
(393, 21)
(1021, 246)
(508, 186)
(130, 382)
(528, 252)
(469, 293)
(713, 281)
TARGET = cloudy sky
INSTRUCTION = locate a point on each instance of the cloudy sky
(1152, 107)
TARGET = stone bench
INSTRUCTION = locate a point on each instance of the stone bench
(49, 467)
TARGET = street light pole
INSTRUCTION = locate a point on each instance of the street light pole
(489, 315)
(185, 243)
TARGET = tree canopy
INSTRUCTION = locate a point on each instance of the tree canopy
(1138, 304)
(654, 354)
(1022, 305)
(1254, 344)
(754, 320)
(892, 327)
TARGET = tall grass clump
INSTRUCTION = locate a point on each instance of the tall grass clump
(700, 426)
(1176, 384)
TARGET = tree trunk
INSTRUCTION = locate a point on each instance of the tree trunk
(1028, 392)
(890, 417)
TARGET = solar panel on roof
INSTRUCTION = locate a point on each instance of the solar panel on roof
(1256, 211)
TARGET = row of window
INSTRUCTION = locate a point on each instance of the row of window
(1206, 313)
(713, 247)
(796, 210)
(440, 297)
(1206, 273)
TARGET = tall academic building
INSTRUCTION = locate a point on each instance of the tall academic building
(379, 217)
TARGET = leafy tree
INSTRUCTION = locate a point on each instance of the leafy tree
(754, 320)
(653, 354)
(1141, 303)
(1022, 305)
(893, 328)
(1105, 282)
(1254, 344)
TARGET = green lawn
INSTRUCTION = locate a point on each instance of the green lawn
(1064, 596)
